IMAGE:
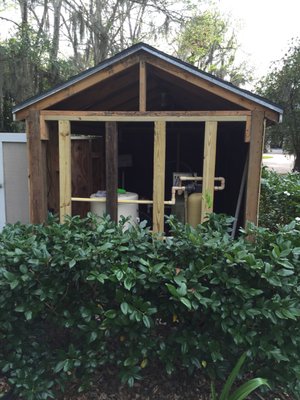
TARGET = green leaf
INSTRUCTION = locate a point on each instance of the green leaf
(28, 315)
(111, 314)
(128, 283)
(146, 321)
(248, 387)
(285, 272)
(124, 308)
(72, 263)
(59, 366)
(234, 373)
(172, 290)
(186, 302)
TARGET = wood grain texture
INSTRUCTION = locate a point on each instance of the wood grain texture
(210, 86)
(143, 86)
(36, 170)
(79, 86)
(248, 129)
(254, 168)
(64, 140)
(138, 116)
(111, 168)
(209, 166)
(159, 175)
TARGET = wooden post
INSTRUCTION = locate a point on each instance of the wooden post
(254, 169)
(111, 167)
(209, 165)
(64, 140)
(36, 170)
(159, 175)
(143, 86)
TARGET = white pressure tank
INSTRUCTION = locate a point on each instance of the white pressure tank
(125, 209)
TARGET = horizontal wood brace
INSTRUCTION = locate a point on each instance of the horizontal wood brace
(148, 116)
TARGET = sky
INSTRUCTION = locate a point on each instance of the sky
(266, 28)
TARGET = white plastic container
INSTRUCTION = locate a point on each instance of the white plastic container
(124, 209)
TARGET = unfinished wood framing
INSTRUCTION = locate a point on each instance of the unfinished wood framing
(254, 168)
(64, 140)
(36, 170)
(111, 159)
(159, 175)
(148, 116)
(248, 129)
(210, 86)
(143, 86)
(44, 129)
(209, 166)
(89, 81)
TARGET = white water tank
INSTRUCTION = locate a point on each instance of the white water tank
(124, 209)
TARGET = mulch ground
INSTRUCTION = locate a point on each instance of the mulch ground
(155, 386)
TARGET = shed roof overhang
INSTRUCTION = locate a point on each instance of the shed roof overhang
(166, 65)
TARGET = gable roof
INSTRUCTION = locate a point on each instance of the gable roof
(142, 47)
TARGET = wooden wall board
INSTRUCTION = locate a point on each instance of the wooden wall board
(210, 86)
(36, 169)
(209, 166)
(53, 168)
(79, 86)
(111, 159)
(64, 140)
(255, 166)
(143, 86)
(159, 175)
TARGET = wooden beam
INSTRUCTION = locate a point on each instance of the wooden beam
(111, 160)
(143, 86)
(210, 86)
(159, 175)
(248, 129)
(254, 168)
(36, 170)
(44, 129)
(148, 116)
(64, 140)
(209, 166)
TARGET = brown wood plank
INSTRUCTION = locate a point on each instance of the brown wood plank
(143, 86)
(64, 140)
(254, 168)
(36, 170)
(248, 129)
(159, 175)
(146, 116)
(53, 168)
(209, 166)
(210, 86)
(80, 85)
(44, 129)
(111, 161)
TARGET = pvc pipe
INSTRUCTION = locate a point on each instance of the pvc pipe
(103, 199)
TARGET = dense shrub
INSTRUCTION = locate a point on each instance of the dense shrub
(280, 198)
(83, 295)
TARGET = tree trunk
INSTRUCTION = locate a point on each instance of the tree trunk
(297, 162)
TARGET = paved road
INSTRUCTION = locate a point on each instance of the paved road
(280, 163)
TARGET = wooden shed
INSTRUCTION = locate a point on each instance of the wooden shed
(141, 120)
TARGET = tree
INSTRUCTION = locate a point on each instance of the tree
(209, 42)
(282, 85)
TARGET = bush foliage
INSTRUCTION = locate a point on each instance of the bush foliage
(280, 198)
(85, 295)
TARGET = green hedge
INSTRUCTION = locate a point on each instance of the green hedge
(84, 295)
(280, 198)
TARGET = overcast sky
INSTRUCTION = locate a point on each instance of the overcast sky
(266, 27)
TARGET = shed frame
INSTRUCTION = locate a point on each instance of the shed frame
(40, 111)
